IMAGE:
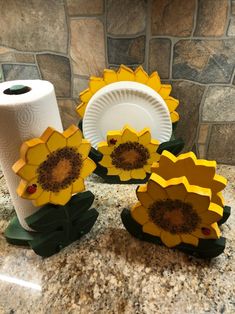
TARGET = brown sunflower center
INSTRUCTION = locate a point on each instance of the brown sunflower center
(130, 155)
(60, 169)
(174, 216)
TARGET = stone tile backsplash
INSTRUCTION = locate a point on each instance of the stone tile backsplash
(190, 43)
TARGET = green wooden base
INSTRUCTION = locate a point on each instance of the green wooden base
(56, 226)
(206, 248)
(174, 146)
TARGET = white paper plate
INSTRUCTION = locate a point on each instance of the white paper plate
(121, 103)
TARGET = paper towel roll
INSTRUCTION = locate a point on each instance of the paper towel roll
(23, 117)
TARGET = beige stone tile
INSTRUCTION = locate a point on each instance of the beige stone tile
(87, 49)
(203, 133)
(80, 7)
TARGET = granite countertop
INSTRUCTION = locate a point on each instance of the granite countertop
(109, 271)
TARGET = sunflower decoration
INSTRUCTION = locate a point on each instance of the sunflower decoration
(179, 204)
(198, 172)
(129, 154)
(126, 74)
(54, 166)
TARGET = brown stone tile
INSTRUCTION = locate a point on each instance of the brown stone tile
(56, 69)
(205, 61)
(202, 151)
(222, 143)
(219, 104)
(79, 84)
(211, 18)
(34, 25)
(189, 95)
(24, 58)
(6, 55)
(128, 51)
(68, 113)
(87, 7)
(233, 7)
(87, 49)
(203, 133)
(159, 56)
(126, 17)
(173, 18)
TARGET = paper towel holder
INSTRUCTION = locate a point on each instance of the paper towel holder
(17, 90)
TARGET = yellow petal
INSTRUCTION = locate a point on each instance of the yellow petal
(138, 173)
(88, 166)
(85, 95)
(219, 183)
(74, 139)
(218, 199)
(129, 134)
(172, 103)
(214, 231)
(114, 137)
(139, 213)
(153, 146)
(110, 76)
(106, 162)
(154, 157)
(154, 81)
(140, 75)
(113, 171)
(125, 74)
(84, 148)
(177, 191)
(61, 197)
(78, 186)
(174, 116)
(43, 199)
(152, 229)
(144, 137)
(81, 108)
(34, 152)
(213, 214)
(25, 171)
(105, 149)
(125, 175)
(56, 141)
(169, 239)
(95, 84)
(22, 189)
(143, 196)
(147, 168)
(155, 191)
(189, 239)
(200, 200)
(165, 90)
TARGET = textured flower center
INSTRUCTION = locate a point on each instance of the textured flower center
(60, 169)
(130, 155)
(174, 216)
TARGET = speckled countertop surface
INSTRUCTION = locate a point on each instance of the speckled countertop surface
(109, 271)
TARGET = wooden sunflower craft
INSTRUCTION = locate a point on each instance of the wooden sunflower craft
(126, 74)
(129, 154)
(54, 166)
(180, 206)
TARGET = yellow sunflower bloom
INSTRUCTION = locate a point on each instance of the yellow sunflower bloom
(176, 211)
(126, 74)
(54, 166)
(129, 154)
(199, 172)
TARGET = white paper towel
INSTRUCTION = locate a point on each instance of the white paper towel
(23, 117)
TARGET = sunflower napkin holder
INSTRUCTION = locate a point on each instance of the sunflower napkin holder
(118, 112)
(52, 169)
